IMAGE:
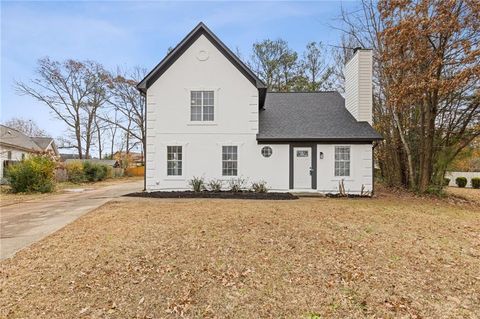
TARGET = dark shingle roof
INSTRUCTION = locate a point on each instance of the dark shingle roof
(316, 116)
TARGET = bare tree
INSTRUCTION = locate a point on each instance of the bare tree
(27, 126)
(129, 104)
(73, 91)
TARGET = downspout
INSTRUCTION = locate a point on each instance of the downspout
(375, 144)
(145, 147)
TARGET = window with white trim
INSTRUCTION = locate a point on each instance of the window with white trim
(229, 160)
(342, 160)
(202, 106)
(174, 160)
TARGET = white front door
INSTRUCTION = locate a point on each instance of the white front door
(302, 164)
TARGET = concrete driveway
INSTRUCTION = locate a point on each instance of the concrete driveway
(24, 223)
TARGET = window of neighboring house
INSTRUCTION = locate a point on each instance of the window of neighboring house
(201, 106)
(174, 160)
(229, 160)
(9, 155)
(342, 160)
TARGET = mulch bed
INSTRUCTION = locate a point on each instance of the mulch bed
(222, 195)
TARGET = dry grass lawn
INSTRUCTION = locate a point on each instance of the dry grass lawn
(393, 256)
(467, 193)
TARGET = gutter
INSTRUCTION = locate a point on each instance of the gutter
(375, 144)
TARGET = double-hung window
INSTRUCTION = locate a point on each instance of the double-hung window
(174, 160)
(342, 160)
(202, 106)
(229, 160)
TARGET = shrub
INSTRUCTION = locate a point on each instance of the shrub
(215, 185)
(237, 184)
(109, 173)
(461, 181)
(260, 187)
(197, 184)
(75, 172)
(35, 174)
(95, 172)
(436, 190)
(446, 181)
(475, 182)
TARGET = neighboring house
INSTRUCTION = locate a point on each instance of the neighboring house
(15, 146)
(209, 115)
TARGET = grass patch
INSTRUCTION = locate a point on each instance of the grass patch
(311, 258)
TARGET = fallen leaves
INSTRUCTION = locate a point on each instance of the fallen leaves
(205, 258)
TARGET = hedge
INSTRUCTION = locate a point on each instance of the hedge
(85, 171)
(476, 182)
(34, 174)
(461, 181)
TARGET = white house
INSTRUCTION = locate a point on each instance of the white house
(15, 146)
(209, 116)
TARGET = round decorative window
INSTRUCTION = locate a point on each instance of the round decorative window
(267, 151)
(202, 55)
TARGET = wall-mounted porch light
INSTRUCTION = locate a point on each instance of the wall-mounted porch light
(321, 155)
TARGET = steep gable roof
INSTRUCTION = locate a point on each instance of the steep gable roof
(42, 142)
(172, 56)
(311, 116)
(17, 139)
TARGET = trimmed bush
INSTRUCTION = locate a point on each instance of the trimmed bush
(75, 172)
(215, 185)
(197, 184)
(260, 187)
(446, 181)
(476, 182)
(95, 172)
(35, 174)
(461, 181)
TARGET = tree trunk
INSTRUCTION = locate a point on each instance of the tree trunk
(406, 147)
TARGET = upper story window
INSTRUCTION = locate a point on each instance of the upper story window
(174, 160)
(229, 160)
(202, 106)
(342, 160)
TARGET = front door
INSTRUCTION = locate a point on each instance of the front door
(302, 168)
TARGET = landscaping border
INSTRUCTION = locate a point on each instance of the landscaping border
(220, 195)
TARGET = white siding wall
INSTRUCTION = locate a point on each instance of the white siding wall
(360, 169)
(358, 86)
(236, 122)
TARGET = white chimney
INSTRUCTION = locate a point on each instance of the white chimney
(358, 85)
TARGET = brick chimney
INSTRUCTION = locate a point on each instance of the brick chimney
(358, 85)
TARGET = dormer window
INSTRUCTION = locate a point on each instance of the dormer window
(202, 106)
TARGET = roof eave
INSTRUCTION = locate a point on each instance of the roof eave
(261, 139)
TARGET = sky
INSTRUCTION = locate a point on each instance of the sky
(139, 33)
